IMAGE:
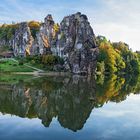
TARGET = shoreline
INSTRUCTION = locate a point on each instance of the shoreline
(39, 73)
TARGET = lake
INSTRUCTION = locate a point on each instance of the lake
(69, 108)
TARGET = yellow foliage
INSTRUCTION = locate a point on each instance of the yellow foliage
(56, 27)
(34, 24)
(111, 89)
(31, 24)
(111, 57)
(9, 25)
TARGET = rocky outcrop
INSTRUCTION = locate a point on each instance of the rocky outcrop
(78, 44)
(73, 40)
(23, 40)
(46, 35)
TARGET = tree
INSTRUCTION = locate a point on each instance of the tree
(111, 58)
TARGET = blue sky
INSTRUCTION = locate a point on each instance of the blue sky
(118, 20)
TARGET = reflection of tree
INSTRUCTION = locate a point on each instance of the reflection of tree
(117, 89)
(71, 100)
(109, 89)
(131, 85)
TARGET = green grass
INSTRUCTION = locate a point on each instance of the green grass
(39, 66)
(12, 66)
(11, 78)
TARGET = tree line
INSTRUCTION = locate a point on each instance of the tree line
(116, 57)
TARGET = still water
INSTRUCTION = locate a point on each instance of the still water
(69, 108)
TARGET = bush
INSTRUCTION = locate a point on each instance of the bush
(33, 61)
(60, 60)
(15, 65)
(6, 32)
(34, 24)
(101, 67)
(21, 62)
(52, 60)
(49, 60)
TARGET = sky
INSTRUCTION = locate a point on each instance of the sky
(117, 20)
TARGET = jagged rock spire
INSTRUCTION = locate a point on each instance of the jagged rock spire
(46, 35)
(78, 42)
(49, 20)
(22, 41)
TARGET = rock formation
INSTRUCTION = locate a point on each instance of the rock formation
(78, 43)
(73, 40)
(22, 41)
(46, 35)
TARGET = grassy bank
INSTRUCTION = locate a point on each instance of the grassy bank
(13, 66)
(11, 78)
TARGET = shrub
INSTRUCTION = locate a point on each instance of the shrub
(101, 67)
(51, 60)
(33, 61)
(15, 65)
(34, 24)
(21, 62)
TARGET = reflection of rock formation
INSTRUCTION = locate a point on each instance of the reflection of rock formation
(71, 100)
(71, 104)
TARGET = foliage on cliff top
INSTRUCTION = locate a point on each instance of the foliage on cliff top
(34, 24)
(7, 31)
(31, 24)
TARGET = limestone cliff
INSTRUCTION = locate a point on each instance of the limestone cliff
(23, 40)
(78, 43)
(46, 35)
(73, 40)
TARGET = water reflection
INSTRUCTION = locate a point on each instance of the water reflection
(70, 99)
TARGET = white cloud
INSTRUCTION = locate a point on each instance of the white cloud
(116, 19)
(117, 32)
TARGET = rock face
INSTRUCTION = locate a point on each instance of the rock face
(73, 40)
(23, 40)
(78, 43)
(46, 35)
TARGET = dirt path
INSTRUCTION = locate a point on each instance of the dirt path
(39, 70)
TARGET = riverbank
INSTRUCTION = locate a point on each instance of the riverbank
(36, 73)
(11, 65)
